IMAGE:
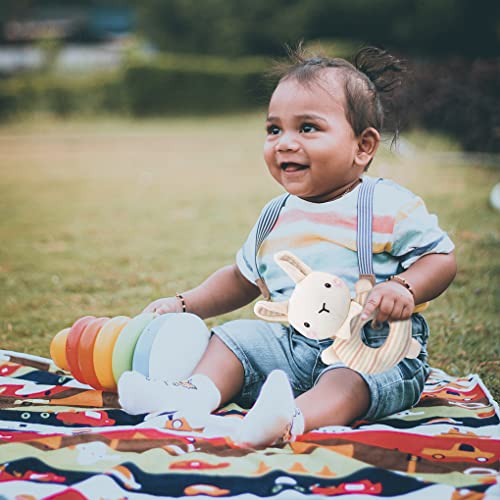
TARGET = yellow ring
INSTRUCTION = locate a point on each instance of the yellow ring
(103, 351)
(58, 349)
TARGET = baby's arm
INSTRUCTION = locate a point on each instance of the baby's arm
(224, 291)
(428, 277)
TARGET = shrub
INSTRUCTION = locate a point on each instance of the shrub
(191, 84)
(458, 97)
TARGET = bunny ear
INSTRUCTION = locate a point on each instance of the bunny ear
(363, 288)
(292, 265)
(344, 332)
(272, 311)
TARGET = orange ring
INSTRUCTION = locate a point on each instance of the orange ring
(58, 349)
(103, 351)
(86, 353)
(73, 345)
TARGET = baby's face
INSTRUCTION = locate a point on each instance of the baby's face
(310, 146)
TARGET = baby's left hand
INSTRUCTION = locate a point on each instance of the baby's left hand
(394, 302)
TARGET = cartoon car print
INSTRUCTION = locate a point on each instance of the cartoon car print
(197, 465)
(205, 489)
(93, 418)
(458, 452)
(286, 483)
(453, 394)
(365, 487)
(8, 368)
(29, 475)
(31, 391)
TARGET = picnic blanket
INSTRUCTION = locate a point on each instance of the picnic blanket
(62, 440)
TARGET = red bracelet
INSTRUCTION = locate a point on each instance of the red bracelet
(181, 298)
(402, 281)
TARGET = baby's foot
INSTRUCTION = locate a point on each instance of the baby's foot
(137, 394)
(273, 417)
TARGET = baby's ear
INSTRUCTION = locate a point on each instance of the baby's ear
(368, 142)
(292, 265)
(272, 311)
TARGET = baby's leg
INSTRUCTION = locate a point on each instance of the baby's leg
(216, 379)
(271, 416)
(340, 397)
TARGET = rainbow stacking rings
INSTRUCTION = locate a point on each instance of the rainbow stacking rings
(97, 351)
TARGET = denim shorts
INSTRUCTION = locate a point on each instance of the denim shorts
(263, 347)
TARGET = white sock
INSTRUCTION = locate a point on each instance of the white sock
(273, 417)
(196, 395)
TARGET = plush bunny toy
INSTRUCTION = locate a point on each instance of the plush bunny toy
(321, 307)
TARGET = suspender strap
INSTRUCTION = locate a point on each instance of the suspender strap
(264, 226)
(268, 220)
(364, 236)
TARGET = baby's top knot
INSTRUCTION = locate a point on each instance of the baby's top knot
(383, 70)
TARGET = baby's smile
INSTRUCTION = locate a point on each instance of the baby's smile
(292, 167)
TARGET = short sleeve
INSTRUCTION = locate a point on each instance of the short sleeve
(245, 259)
(417, 233)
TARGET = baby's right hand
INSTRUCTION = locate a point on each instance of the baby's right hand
(165, 305)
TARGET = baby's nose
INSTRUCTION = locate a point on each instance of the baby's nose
(287, 142)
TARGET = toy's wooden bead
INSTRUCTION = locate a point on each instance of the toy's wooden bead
(73, 346)
(103, 351)
(86, 351)
(58, 349)
(125, 345)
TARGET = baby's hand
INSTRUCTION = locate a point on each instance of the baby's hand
(393, 300)
(165, 305)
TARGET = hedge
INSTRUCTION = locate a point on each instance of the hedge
(170, 84)
(457, 97)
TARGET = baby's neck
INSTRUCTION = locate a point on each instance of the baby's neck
(335, 195)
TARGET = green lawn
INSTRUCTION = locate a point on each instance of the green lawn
(100, 217)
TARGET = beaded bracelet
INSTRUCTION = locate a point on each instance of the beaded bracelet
(183, 302)
(402, 281)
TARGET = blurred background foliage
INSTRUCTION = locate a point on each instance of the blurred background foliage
(190, 56)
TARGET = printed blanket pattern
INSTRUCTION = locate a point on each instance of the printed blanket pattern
(59, 439)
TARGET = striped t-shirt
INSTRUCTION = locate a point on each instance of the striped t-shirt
(323, 235)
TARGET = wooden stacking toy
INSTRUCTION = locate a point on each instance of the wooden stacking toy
(97, 351)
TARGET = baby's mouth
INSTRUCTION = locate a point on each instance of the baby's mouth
(292, 167)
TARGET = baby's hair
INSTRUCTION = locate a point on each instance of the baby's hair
(369, 83)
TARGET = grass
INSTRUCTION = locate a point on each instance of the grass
(101, 216)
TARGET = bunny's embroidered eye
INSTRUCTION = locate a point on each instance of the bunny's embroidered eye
(307, 325)
(328, 285)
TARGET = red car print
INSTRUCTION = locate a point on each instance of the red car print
(93, 418)
(365, 487)
(7, 369)
(453, 394)
(29, 475)
(12, 390)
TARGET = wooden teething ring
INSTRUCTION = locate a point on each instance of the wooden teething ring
(355, 354)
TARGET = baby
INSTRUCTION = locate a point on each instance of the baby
(324, 122)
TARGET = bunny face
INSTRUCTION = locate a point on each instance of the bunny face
(319, 305)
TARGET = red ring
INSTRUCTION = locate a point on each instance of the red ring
(86, 352)
(73, 345)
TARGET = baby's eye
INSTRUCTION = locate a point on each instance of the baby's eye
(328, 285)
(308, 128)
(272, 130)
(307, 325)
